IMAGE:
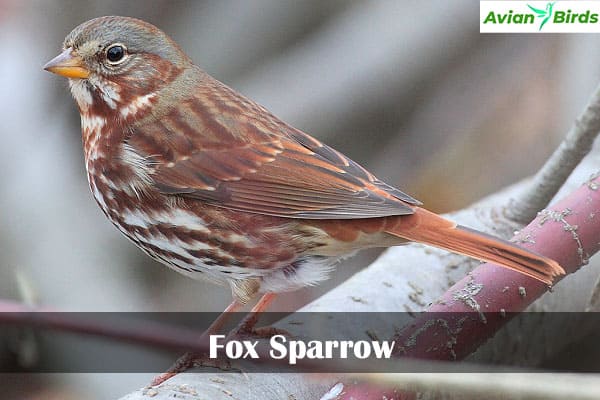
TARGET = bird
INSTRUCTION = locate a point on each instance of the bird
(216, 187)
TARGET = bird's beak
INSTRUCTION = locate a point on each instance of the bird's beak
(68, 64)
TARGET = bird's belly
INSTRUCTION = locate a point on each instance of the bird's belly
(197, 240)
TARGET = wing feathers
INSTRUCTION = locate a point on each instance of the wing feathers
(264, 167)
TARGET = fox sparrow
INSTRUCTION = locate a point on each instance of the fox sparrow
(214, 186)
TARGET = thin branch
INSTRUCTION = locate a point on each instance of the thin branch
(138, 332)
(594, 302)
(550, 178)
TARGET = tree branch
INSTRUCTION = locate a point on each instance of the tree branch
(567, 233)
(549, 179)
(141, 332)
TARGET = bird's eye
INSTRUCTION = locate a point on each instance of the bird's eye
(116, 53)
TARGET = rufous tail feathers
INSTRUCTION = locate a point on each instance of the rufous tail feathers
(426, 227)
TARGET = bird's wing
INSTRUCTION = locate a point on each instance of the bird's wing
(226, 150)
(540, 13)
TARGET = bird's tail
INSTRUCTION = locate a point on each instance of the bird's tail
(429, 228)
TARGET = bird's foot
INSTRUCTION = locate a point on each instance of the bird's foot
(191, 360)
(247, 327)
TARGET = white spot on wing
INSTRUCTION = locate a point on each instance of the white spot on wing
(235, 238)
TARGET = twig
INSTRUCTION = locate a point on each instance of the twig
(594, 302)
(27, 346)
(546, 182)
(142, 332)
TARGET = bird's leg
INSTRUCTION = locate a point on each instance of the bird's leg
(189, 359)
(222, 319)
(248, 325)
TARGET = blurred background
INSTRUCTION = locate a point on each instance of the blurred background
(409, 89)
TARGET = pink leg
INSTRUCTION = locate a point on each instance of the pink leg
(246, 327)
(249, 322)
(188, 359)
(222, 319)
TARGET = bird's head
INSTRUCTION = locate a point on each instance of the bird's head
(114, 63)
